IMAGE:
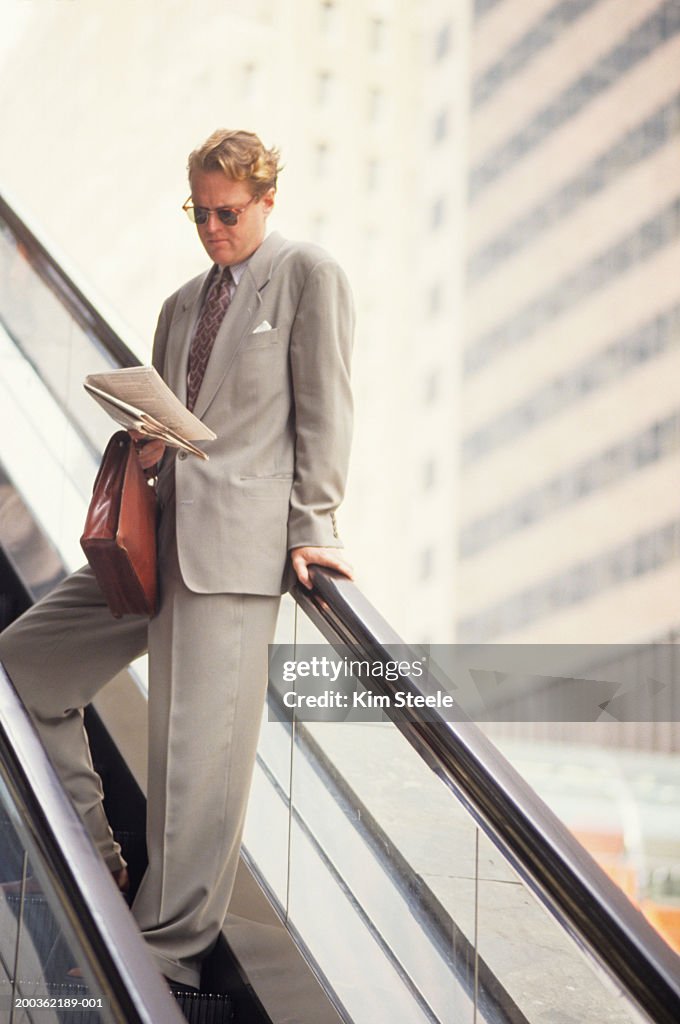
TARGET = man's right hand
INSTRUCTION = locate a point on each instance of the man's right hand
(149, 449)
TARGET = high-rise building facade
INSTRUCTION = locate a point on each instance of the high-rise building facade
(570, 443)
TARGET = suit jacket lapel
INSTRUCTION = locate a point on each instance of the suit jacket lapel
(240, 319)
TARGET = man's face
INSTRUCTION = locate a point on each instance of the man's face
(224, 244)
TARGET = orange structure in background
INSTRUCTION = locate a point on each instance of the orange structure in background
(608, 849)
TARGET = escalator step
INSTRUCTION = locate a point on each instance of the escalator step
(201, 1008)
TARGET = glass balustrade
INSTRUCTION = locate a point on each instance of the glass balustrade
(39, 946)
(69, 949)
(407, 909)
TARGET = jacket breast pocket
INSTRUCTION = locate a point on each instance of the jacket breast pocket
(259, 382)
(260, 340)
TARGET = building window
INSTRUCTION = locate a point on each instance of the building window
(429, 474)
(438, 213)
(442, 41)
(655, 442)
(376, 105)
(377, 34)
(324, 87)
(426, 563)
(248, 81)
(321, 161)
(441, 125)
(319, 229)
(434, 301)
(328, 16)
(431, 390)
(372, 175)
(643, 554)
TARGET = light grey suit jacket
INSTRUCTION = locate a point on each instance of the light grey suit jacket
(279, 401)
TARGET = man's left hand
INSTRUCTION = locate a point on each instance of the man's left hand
(331, 557)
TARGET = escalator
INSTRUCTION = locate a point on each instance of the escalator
(410, 873)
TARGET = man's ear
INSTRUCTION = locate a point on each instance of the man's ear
(268, 201)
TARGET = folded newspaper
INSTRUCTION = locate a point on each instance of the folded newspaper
(138, 398)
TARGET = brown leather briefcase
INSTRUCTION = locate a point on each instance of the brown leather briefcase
(119, 539)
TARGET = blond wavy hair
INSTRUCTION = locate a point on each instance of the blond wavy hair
(241, 156)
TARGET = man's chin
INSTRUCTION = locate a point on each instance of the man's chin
(220, 253)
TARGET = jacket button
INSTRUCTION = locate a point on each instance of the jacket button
(183, 454)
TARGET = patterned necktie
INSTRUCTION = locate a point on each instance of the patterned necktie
(215, 306)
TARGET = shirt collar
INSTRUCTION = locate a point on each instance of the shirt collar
(237, 270)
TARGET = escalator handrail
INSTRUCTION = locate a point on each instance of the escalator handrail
(89, 899)
(65, 288)
(555, 866)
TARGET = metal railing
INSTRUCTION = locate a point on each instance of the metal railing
(73, 875)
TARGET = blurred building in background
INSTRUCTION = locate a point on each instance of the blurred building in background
(570, 435)
(500, 180)
(100, 108)
(569, 445)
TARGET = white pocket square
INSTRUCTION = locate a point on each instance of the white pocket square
(264, 326)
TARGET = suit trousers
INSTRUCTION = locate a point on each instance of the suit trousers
(207, 684)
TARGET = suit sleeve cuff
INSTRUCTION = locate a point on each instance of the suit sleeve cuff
(319, 530)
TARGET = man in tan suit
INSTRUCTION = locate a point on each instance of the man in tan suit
(261, 352)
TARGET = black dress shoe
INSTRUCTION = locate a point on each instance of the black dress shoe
(178, 986)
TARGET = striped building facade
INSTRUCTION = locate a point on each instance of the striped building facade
(569, 496)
